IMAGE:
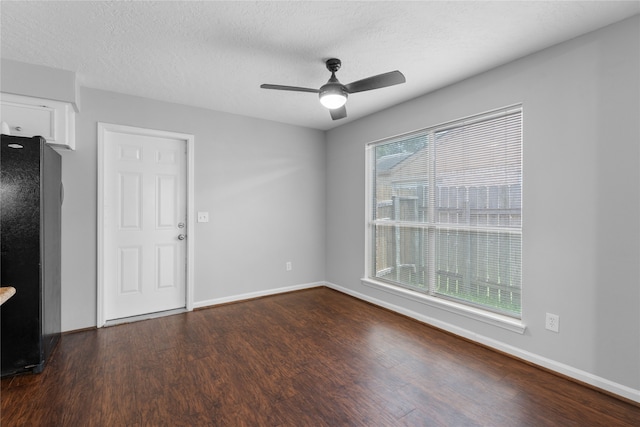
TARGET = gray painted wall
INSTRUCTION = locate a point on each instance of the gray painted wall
(263, 184)
(581, 217)
(39, 81)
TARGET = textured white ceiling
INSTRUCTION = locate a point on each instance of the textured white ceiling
(215, 54)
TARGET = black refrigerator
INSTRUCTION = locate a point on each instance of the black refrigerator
(30, 211)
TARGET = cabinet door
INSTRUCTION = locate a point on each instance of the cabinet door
(29, 120)
(52, 120)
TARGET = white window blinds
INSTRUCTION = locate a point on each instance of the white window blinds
(446, 211)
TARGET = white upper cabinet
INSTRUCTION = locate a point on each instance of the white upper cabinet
(55, 121)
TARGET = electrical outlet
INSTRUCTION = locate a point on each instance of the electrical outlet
(288, 266)
(553, 322)
(203, 216)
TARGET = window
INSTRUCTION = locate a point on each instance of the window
(446, 211)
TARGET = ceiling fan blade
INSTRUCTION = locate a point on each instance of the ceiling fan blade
(376, 82)
(338, 113)
(291, 88)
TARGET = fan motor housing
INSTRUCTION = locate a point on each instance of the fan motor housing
(332, 87)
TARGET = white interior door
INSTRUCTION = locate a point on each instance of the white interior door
(144, 224)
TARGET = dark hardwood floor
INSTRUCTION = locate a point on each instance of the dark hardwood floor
(308, 358)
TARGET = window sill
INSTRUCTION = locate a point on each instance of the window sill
(505, 322)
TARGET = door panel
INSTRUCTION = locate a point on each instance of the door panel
(166, 268)
(166, 190)
(145, 200)
(130, 207)
(129, 270)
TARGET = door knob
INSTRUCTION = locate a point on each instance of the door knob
(181, 237)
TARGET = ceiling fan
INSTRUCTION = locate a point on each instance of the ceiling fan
(333, 94)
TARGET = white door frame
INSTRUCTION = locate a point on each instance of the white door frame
(103, 128)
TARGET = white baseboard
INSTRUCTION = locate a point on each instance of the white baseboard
(552, 365)
(251, 295)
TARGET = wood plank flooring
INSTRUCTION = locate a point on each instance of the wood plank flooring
(310, 358)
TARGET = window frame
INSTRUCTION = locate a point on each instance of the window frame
(460, 308)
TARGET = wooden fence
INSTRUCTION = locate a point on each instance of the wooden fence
(475, 235)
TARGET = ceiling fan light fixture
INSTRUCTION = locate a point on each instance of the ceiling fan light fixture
(333, 97)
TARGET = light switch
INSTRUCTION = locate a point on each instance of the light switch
(203, 216)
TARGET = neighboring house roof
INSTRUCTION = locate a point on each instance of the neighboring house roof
(454, 168)
(390, 161)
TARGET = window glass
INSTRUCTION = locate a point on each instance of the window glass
(446, 211)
